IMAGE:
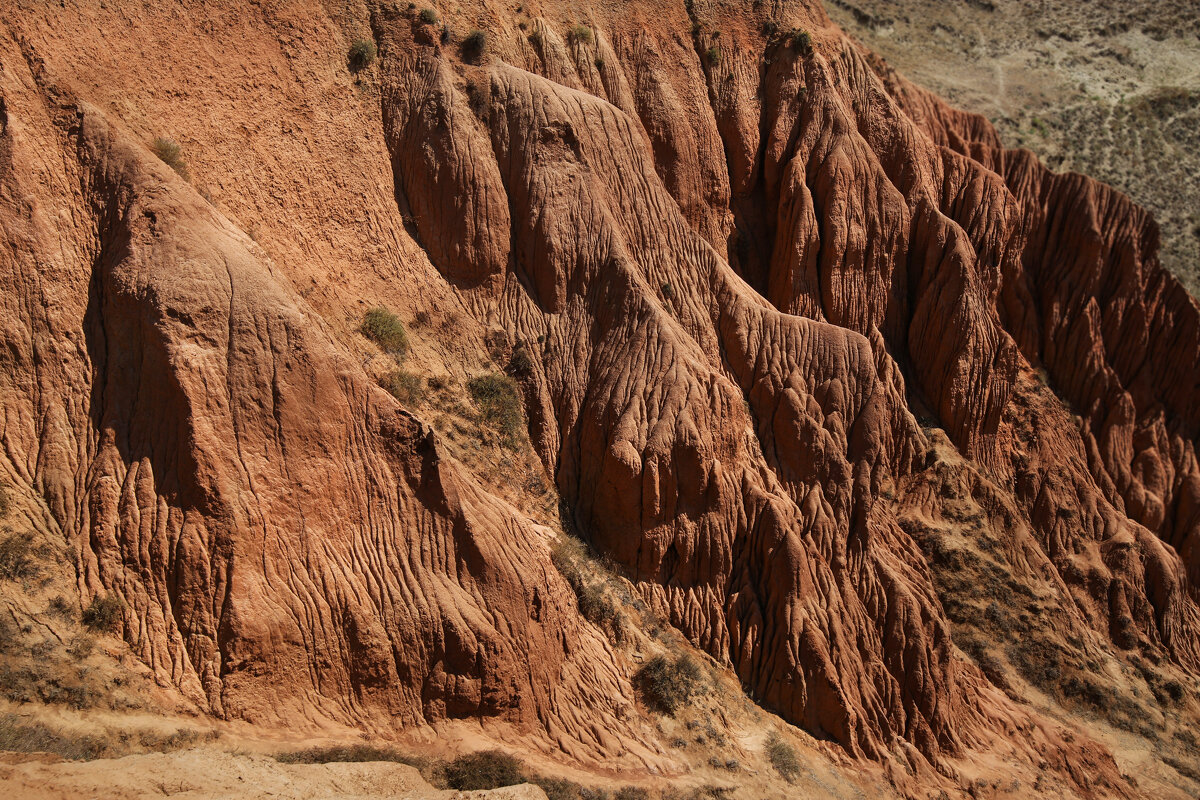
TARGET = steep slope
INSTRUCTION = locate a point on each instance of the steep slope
(1111, 90)
(274, 563)
(749, 272)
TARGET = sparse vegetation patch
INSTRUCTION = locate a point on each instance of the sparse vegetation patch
(385, 329)
(171, 154)
(488, 769)
(570, 557)
(34, 737)
(499, 404)
(405, 386)
(666, 684)
(103, 613)
(474, 45)
(23, 736)
(783, 757)
(349, 753)
(17, 556)
(362, 54)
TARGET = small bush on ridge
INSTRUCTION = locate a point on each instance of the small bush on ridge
(16, 556)
(362, 53)
(496, 396)
(667, 685)
(104, 613)
(474, 45)
(487, 769)
(783, 757)
(171, 154)
(385, 329)
(801, 41)
(405, 386)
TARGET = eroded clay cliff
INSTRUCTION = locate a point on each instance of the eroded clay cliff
(753, 271)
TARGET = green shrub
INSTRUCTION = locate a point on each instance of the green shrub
(33, 737)
(557, 788)
(385, 329)
(477, 99)
(800, 41)
(348, 753)
(16, 556)
(1038, 660)
(104, 613)
(362, 54)
(428, 16)
(783, 757)
(81, 647)
(520, 364)
(496, 396)
(62, 607)
(171, 154)
(405, 386)
(631, 793)
(713, 54)
(474, 45)
(667, 685)
(580, 33)
(488, 769)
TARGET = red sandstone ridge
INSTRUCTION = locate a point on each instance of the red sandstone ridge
(781, 314)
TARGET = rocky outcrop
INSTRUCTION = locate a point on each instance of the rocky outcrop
(743, 264)
(1118, 339)
(887, 253)
(275, 563)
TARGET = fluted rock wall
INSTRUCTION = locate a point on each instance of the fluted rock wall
(741, 265)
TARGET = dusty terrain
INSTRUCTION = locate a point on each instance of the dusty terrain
(202, 773)
(674, 395)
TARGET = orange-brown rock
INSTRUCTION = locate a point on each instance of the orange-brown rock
(742, 268)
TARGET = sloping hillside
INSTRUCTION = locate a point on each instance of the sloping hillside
(654, 390)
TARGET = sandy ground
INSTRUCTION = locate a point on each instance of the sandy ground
(211, 773)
